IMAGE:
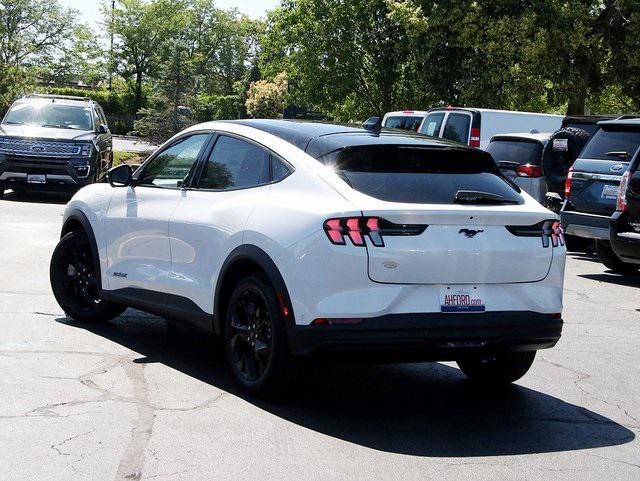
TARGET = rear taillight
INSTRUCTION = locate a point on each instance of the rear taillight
(550, 231)
(475, 138)
(356, 229)
(621, 203)
(567, 183)
(529, 170)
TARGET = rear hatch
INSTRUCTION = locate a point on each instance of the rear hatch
(444, 216)
(517, 157)
(597, 173)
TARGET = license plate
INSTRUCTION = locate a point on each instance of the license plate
(610, 192)
(462, 299)
(37, 179)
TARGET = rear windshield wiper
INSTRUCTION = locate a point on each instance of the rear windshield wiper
(476, 197)
(620, 154)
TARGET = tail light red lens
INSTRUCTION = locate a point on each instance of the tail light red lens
(551, 232)
(475, 138)
(357, 229)
(567, 183)
(529, 170)
(621, 203)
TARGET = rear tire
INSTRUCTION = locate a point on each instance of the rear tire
(74, 283)
(255, 338)
(499, 369)
(609, 258)
(556, 164)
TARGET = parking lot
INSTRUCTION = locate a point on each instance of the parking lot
(139, 398)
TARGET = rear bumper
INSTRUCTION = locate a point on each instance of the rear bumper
(589, 226)
(429, 337)
(61, 174)
(625, 244)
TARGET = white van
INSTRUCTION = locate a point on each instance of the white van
(475, 127)
(405, 119)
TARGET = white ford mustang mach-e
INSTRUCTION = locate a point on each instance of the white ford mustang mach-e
(293, 239)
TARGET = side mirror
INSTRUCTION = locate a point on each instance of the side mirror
(373, 124)
(553, 202)
(120, 176)
(103, 129)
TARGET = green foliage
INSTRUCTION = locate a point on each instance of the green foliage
(266, 99)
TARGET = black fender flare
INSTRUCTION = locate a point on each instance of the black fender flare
(77, 215)
(264, 261)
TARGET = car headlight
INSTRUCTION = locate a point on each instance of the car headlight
(86, 150)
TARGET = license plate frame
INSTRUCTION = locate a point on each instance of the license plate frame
(462, 298)
(36, 178)
(609, 192)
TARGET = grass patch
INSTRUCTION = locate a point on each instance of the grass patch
(131, 158)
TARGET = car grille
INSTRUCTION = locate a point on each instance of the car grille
(38, 148)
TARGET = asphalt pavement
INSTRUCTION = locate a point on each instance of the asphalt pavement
(139, 398)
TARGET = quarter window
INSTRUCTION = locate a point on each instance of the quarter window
(235, 164)
(171, 167)
(279, 170)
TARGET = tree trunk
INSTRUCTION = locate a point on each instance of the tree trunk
(578, 97)
(138, 90)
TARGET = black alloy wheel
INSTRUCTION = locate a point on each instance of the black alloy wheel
(74, 281)
(255, 338)
(251, 335)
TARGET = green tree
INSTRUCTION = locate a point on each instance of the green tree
(31, 33)
(140, 29)
(346, 58)
(266, 99)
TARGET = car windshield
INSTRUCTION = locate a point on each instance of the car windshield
(50, 115)
(521, 151)
(398, 173)
(609, 144)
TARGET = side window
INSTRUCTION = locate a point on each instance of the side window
(101, 117)
(171, 167)
(432, 124)
(457, 128)
(279, 169)
(235, 164)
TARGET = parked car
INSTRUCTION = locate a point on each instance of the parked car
(592, 185)
(295, 239)
(53, 142)
(625, 222)
(476, 127)
(405, 119)
(519, 157)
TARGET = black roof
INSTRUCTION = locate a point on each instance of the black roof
(321, 138)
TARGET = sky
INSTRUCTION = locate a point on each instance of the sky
(90, 9)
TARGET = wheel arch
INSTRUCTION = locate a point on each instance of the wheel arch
(77, 220)
(242, 260)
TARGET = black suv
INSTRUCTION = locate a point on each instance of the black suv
(592, 184)
(53, 142)
(625, 222)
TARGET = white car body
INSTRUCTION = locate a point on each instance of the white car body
(476, 127)
(171, 248)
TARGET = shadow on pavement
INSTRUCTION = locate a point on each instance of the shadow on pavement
(417, 409)
(37, 197)
(628, 280)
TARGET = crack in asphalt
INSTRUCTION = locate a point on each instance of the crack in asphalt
(581, 377)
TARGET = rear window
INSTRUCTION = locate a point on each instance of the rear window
(521, 151)
(608, 141)
(404, 122)
(457, 128)
(432, 124)
(409, 174)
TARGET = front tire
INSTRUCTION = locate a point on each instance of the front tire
(609, 258)
(255, 338)
(498, 369)
(73, 276)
